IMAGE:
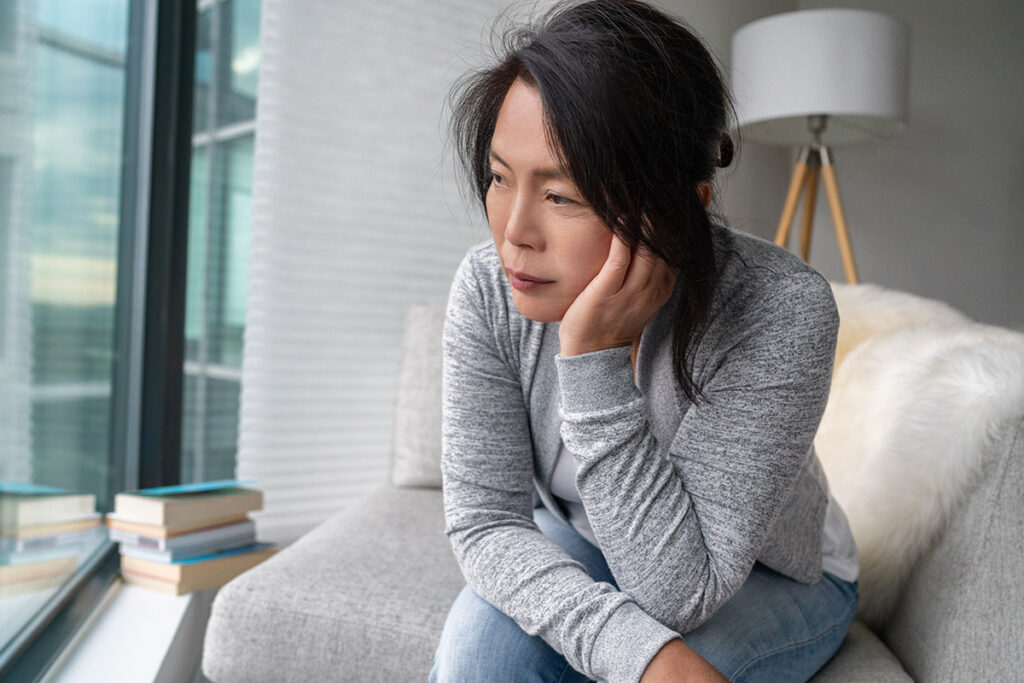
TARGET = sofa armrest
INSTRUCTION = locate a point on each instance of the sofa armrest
(959, 615)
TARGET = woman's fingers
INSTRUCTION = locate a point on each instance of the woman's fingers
(616, 268)
(648, 273)
(631, 273)
(623, 297)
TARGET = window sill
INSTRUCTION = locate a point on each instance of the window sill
(138, 635)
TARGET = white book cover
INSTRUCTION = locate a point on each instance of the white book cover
(15, 557)
(85, 537)
(181, 555)
(241, 533)
(19, 509)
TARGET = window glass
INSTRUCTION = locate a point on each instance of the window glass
(203, 68)
(227, 66)
(239, 95)
(62, 123)
(8, 26)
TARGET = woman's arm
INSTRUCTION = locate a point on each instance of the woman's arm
(677, 662)
(487, 469)
(681, 524)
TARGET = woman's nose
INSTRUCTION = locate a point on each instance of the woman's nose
(521, 228)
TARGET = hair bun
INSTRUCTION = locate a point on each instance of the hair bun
(725, 151)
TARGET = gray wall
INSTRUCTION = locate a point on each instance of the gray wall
(745, 199)
(935, 211)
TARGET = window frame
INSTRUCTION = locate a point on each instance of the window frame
(146, 409)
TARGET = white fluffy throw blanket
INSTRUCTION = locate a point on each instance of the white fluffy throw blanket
(918, 394)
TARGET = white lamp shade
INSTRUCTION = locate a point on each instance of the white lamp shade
(851, 65)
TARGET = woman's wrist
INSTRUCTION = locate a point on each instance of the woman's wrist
(676, 662)
(574, 348)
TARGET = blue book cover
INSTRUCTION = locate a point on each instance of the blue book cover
(198, 487)
(226, 553)
(24, 488)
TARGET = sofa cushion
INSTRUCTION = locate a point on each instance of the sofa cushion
(863, 658)
(363, 597)
(417, 450)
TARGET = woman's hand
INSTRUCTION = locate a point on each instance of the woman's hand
(621, 299)
(677, 662)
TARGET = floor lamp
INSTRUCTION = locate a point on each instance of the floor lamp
(818, 79)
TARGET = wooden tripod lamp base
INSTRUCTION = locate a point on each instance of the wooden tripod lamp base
(815, 159)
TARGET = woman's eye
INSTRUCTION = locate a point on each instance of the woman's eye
(497, 179)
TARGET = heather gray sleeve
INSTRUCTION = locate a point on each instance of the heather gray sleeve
(682, 523)
(487, 471)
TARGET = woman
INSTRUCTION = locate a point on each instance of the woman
(631, 392)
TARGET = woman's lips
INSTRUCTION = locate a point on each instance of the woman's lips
(526, 283)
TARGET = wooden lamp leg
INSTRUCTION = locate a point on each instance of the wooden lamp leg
(796, 184)
(836, 205)
(810, 199)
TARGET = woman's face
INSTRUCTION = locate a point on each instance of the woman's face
(550, 242)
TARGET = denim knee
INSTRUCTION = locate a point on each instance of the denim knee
(481, 643)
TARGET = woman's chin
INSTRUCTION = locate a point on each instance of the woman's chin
(539, 310)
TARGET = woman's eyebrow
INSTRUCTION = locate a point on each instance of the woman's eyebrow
(549, 173)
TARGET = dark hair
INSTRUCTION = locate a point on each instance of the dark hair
(636, 112)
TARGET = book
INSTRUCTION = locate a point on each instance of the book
(167, 509)
(76, 538)
(12, 557)
(172, 556)
(115, 521)
(30, 571)
(195, 487)
(33, 585)
(42, 530)
(168, 587)
(186, 547)
(33, 509)
(27, 487)
(196, 574)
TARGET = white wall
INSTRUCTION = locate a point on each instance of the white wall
(938, 211)
(354, 217)
(744, 198)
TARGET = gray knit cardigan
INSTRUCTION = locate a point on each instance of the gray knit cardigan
(682, 498)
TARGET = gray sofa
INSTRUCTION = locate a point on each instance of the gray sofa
(363, 597)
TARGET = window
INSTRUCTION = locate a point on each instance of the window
(63, 119)
(224, 123)
(97, 394)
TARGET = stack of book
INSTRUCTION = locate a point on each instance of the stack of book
(179, 539)
(42, 532)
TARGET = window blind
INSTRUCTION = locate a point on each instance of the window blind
(356, 214)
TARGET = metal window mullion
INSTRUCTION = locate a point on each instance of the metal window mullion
(160, 438)
(126, 415)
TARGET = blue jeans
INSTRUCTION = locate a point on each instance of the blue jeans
(773, 629)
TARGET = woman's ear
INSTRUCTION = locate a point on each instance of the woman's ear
(704, 192)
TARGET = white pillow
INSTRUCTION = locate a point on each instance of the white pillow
(416, 459)
(908, 426)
